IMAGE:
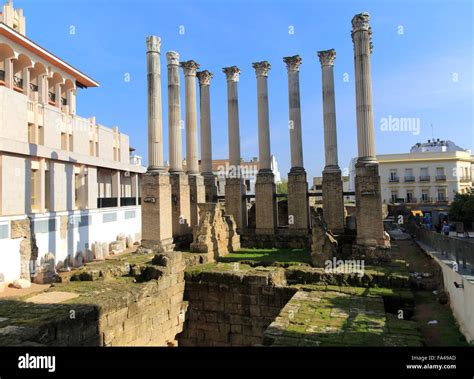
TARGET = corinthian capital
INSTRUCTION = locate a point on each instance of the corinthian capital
(293, 63)
(153, 44)
(172, 57)
(190, 68)
(360, 22)
(261, 68)
(231, 73)
(327, 57)
(204, 77)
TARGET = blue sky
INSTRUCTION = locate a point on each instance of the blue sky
(422, 65)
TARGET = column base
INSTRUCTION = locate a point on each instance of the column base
(333, 200)
(235, 204)
(265, 203)
(369, 219)
(210, 184)
(298, 205)
(156, 212)
(197, 194)
(181, 208)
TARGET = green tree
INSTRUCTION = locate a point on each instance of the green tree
(282, 187)
(462, 207)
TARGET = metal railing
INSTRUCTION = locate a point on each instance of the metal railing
(412, 200)
(17, 81)
(440, 178)
(394, 179)
(425, 178)
(128, 201)
(409, 178)
(107, 202)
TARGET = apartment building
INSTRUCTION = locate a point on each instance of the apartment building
(74, 178)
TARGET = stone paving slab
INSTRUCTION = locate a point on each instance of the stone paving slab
(331, 318)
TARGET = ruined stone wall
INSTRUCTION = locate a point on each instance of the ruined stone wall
(109, 311)
(232, 308)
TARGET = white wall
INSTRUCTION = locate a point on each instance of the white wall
(84, 229)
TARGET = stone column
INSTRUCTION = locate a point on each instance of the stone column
(156, 189)
(155, 134)
(206, 138)
(196, 181)
(265, 189)
(369, 220)
(180, 195)
(298, 206)
(235, 204)
(333, 197)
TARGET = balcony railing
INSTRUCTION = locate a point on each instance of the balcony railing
(128, 201)
(425, 178)
(33, 87)
(2, 75)
(465, 179)
(52, 97)
(409, 178)
(440, 178)
(394, 179)
(412, 200)
(427, 200)
(107, 202)
(17, 81)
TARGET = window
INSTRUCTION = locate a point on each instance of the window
(77, 186)
(34, 190)
(31, 133)
(97, 149)
(409, 175)
(63, 141)
(425, 195)
(70, 147)
(424, 176)
(409, 196)
(441, 195)
(394, 196)
(47, 190)
(393, 175)
(91, 148)
(439, 170)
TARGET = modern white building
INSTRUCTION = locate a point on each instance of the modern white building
(75, 179)
(427, 177)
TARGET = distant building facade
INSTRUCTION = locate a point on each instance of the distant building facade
(75, 179)
(249, 169)
(426, 178)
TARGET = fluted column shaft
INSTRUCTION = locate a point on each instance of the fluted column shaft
(155, 132)
(205, 112)
(261, 69)
(232, 74)
(174, 113)
(296, 143)
(361, 37)
(192, 163)
(327, 58)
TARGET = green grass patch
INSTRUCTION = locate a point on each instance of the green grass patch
(283, 257)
